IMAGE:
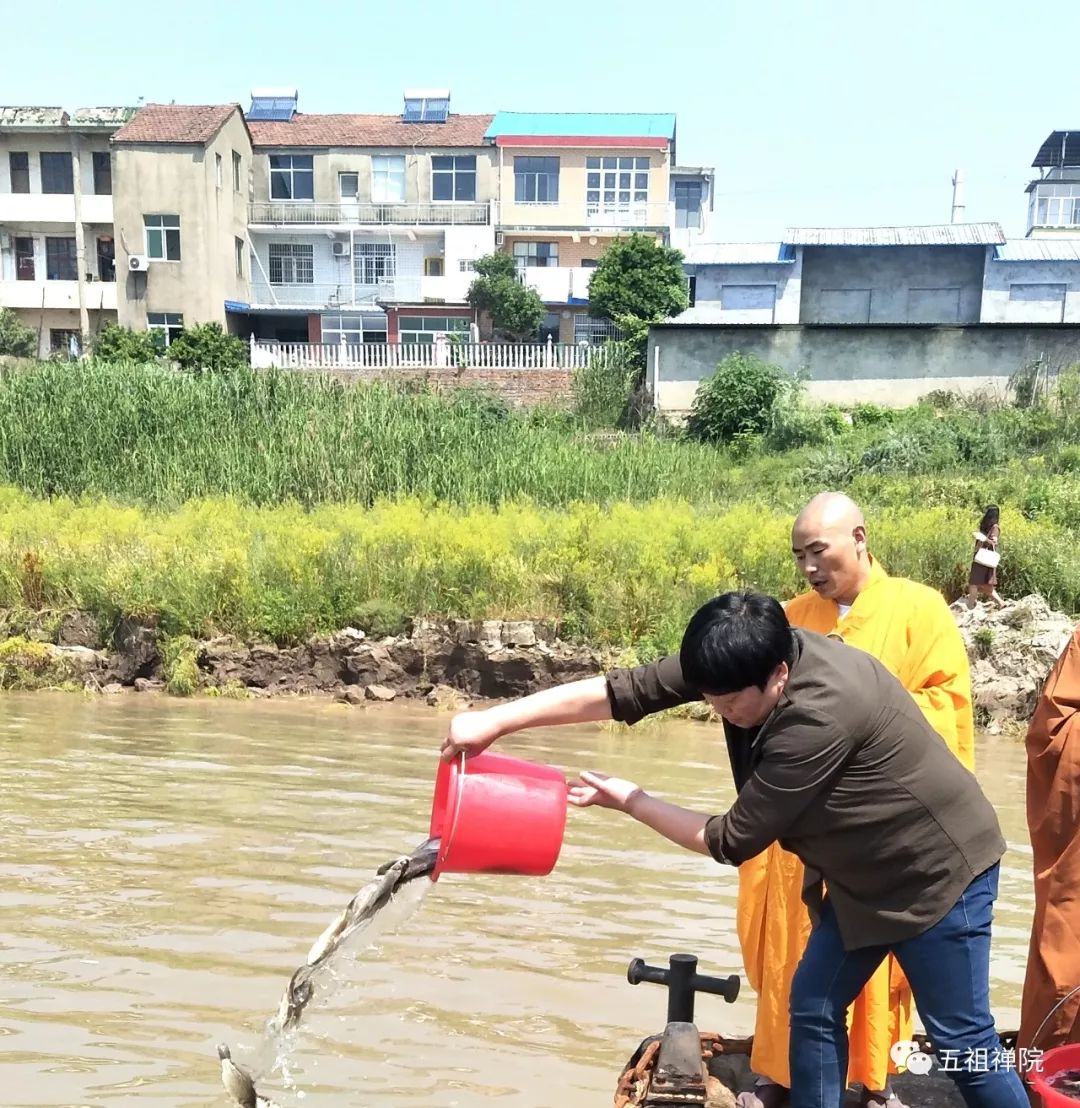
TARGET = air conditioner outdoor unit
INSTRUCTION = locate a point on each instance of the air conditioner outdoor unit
(138, 263)
(340, 249)
(498, 238)
(5, 240)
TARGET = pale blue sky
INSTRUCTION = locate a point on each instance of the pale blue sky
(823, 113)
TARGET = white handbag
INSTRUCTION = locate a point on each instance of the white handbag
(987, 557)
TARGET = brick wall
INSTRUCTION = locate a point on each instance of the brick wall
(520, 387)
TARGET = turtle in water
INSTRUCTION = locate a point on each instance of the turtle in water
(238, 1083)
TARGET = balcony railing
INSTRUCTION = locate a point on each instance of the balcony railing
(358, 357)
(600, 216)
(341, 295)
(306, 213)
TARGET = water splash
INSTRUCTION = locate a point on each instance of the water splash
(380, 907)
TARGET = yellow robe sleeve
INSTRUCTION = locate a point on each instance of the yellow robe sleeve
(936, 671)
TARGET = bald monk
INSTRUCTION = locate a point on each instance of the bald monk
(1053, 812)
(907, 627)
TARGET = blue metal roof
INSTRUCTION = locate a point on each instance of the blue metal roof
(583, 124)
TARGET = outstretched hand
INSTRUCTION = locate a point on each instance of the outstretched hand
(604, 792)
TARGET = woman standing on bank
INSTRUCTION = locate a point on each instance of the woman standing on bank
(983, 576)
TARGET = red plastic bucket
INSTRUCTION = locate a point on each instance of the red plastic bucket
(495, 814)
(1053, 1062)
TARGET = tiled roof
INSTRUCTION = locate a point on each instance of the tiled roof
(176, 123)
(584, 124)
(370, 130)
(937, 234)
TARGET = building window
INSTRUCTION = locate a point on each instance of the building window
(61, 261)
(106, 258)
(374, 263)
(219, 172)
(292, 263)
(56, 175)
(24, 259)
(467, 265)
(388, 179)
(616, 184)
(238, 249)
(536, 180)
(236, 171)
(292, 177)
(424, 328)
(162, 237)
(589, 263)
(433, 267)
(687, 203)
(65, 342)
(1057, 206)
(594, 332)
(102, 173)
(453, 178)
(529, 255)
(353, 329)
(348, 186)
(165, 326)
(19, 165)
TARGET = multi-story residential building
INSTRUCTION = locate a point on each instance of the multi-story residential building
(311, 228)
(57, 266)
(182, 185)
(692, 205)
(364, 228)
(568, 184)
(1054, 197)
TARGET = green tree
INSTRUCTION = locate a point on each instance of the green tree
(122, 344)
(207, 348)
(638, 277)
(16, 338)
(516, 310)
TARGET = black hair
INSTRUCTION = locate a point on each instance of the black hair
(990, 519)
(735, 641)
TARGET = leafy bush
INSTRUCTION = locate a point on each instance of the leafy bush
(515, 309)
(122, 344)
(738, 399)
(16, 339)
(206, 348)
(871, 415)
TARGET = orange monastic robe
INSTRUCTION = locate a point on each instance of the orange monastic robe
(1053, 812)
(909, 628)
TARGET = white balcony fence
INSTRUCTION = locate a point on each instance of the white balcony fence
(433, 355)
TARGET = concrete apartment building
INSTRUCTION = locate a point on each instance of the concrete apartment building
(182, 184)
(570, 183)
(57, 245)
(294, 227)
(364, 227)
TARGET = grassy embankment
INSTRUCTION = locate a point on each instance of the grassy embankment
(277, 505)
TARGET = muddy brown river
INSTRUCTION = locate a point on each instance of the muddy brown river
(165, 866)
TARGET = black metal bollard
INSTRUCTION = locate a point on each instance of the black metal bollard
(683, 982)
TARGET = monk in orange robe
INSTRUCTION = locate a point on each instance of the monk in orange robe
(1049, 1015)
(909, 628)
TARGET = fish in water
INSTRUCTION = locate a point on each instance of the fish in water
(370, 900)
(238, 1083)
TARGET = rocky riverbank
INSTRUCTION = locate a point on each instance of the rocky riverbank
(448, 664)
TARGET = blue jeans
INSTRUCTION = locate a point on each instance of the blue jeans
(948, 967)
